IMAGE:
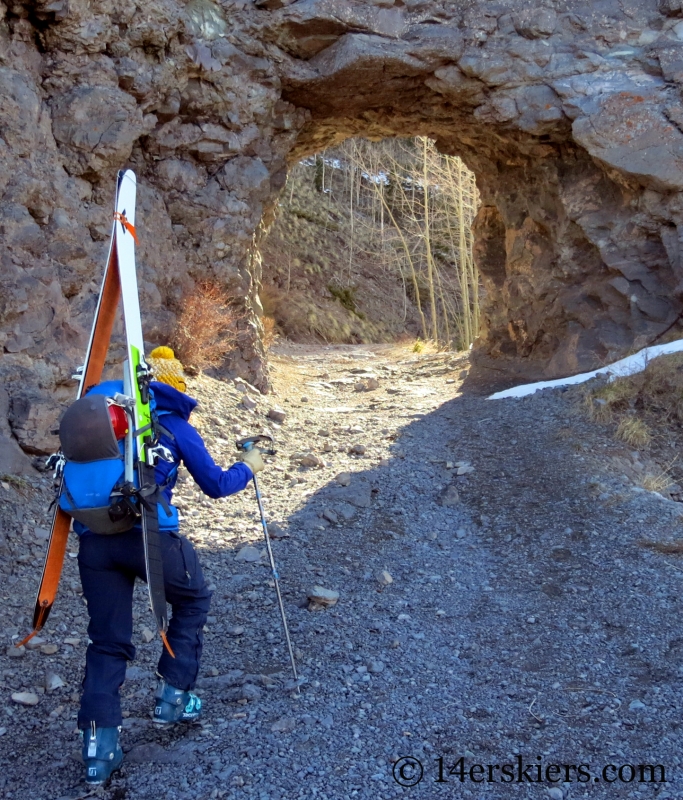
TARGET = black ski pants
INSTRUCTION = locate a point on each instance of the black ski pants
(108, 566)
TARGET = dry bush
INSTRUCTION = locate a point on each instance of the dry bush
(206, 330)
(656, 483)
(634, 432)
(269, 332)
(617, 396)
(658, 390)
(661, 389)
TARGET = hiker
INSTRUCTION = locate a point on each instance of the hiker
(108, 567)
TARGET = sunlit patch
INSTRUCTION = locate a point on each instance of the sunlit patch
(205, 19)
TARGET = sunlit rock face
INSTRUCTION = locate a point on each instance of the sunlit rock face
(568, 112)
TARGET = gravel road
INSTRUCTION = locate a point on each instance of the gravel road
(495, 604)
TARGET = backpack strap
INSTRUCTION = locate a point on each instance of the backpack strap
(150, 496)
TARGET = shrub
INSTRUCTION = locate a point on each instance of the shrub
(269, 332)
(346, 296)
(206, 330)
(657, 483)
(634, 432)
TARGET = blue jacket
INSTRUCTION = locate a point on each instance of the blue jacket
(187, 446)
(174, 409)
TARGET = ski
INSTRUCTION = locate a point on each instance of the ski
(138, 378)
(119, 282)
(90, 373)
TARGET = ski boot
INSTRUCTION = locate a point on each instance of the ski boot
(175, 705)
(102, 753)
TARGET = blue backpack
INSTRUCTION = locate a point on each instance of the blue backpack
(94, 491)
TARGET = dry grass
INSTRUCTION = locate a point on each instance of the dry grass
(19, 484)
(641, 403)
(634, 432)
(206, 330)
(602, 403)
(668, 548)
(269, 331)
(657, 483)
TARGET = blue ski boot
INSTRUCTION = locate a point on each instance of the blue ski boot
(175, 705)
(102, 753)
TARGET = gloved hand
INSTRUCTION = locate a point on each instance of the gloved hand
(252, 458)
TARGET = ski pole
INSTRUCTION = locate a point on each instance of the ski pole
(245, 445)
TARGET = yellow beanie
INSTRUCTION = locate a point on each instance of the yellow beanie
(166, 368)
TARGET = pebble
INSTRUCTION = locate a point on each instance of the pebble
(238, 630)
(384, 577)
(248, 402)
(276, 531)
(15, 652)
(636, 705)
(53, 681)
(311, 460)
(249, 554)
(375, 667)
(343, 479)
(323, 597)
(248, 693)
(555, 793)
(358, 450)
(49, 649)
(35, 643)
(450, 497)
(283, 725)
(25, 698)
(42, 534)
(277, 414)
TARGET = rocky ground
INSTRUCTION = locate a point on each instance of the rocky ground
(494, 602)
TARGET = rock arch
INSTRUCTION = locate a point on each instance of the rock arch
(568, 118)
(569, 113)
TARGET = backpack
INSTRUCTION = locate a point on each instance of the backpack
(93, 488)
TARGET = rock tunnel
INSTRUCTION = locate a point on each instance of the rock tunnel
(568, 112)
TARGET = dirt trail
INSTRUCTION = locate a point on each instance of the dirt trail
(523, 620)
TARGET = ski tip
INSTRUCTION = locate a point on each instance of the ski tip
(127, 174)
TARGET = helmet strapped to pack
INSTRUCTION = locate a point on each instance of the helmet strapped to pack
(93, 434)
(119, 420)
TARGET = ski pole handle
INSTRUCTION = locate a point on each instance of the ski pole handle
(249, 442)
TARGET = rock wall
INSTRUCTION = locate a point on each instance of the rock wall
(569, 113)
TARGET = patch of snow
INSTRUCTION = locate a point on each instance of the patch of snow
(620, 369)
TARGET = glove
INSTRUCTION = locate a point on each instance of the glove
(252, 458)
